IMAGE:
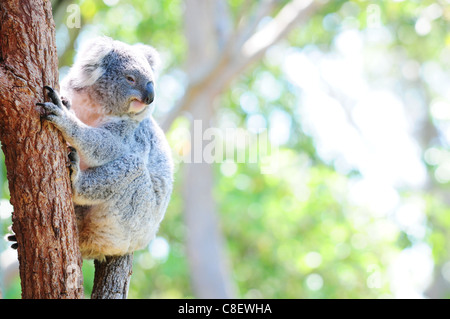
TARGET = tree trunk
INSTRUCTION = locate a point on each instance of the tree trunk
(112, 277)
(217, 53)
(208, 259)
(35, 154)
(210, 275)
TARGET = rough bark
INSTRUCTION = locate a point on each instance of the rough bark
(35, 154)
(112, 277)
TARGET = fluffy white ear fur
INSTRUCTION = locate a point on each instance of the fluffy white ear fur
(151, 55)
(87, 68)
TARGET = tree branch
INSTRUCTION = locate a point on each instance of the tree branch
(263, 10)
(235, 58)
(223, 23)
(287, 19)
(112, 277)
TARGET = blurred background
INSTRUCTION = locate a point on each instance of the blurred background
(352, 98)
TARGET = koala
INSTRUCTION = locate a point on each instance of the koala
(120, 162)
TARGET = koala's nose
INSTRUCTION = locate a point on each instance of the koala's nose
(149, 94)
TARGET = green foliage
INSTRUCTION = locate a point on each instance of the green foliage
(292, 236)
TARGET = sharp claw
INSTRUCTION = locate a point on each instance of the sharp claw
(53, 95)
(43, 111)
(49, 88)
(13, 238)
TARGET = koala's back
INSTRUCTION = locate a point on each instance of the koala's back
(130, 215)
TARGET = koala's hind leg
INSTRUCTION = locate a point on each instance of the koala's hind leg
(97, 184)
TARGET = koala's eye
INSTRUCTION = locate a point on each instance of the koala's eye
(130, 79)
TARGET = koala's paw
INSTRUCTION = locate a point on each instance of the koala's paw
(51, 110)
(74, 158)
(74, 163)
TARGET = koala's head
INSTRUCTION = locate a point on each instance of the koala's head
(118, 76)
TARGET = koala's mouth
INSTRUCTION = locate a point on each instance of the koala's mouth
(137, 106)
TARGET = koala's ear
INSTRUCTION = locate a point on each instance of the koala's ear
(87, 68)
(150, 54)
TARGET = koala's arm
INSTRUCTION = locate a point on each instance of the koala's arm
(98, 184)
(96, 145)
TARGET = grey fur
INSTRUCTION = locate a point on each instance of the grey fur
(122, 192)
